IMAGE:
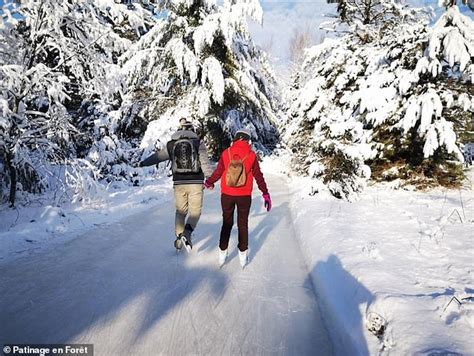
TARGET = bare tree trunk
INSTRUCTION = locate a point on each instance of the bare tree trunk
(13, 181)
(9, 156)
(367, 12)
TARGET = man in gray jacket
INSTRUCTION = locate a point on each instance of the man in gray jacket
(190, 166)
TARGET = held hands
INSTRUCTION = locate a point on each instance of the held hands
(267, 201)
(208, 185)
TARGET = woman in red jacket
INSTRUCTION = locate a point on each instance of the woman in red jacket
(238, 196)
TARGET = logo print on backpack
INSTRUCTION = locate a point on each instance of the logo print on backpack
(185, 157)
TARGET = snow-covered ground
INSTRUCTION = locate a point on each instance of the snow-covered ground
(402, 256)
(122, 288)
(36, 225)
(400, 259)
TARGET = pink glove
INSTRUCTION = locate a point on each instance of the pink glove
(267, 201)
(208, 185)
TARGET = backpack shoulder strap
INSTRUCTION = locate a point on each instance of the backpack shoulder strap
(169, 147)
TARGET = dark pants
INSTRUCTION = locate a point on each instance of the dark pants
(228, 203)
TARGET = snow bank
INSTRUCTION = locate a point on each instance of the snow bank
(39, 226)
(398, 262)
(400, 257)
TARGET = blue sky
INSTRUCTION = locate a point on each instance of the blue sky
(282, 18)
(2, 2)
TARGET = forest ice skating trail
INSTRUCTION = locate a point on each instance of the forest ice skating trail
(123, 288)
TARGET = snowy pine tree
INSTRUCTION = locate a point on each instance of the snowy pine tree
(376, 101)
(102, 142)
(436, 107)
(53, 54)
(199, 62)
(326, 139)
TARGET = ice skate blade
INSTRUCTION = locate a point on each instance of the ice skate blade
(187, 246)
(178, 244)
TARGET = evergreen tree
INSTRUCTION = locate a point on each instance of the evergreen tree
(101, 142)
(385, 104)
(199, 62)
(52, 55)
(436, 108)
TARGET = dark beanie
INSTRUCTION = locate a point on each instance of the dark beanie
(185, 124)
